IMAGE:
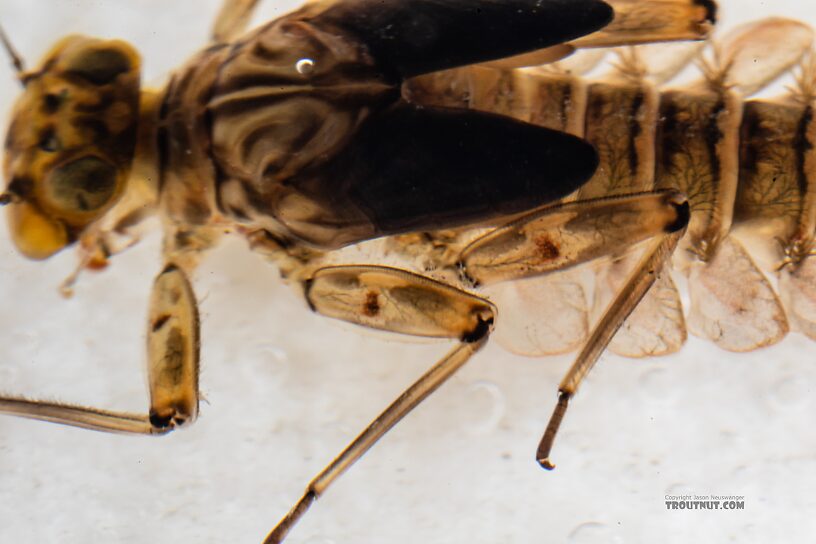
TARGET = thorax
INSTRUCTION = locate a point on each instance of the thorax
(239, 121)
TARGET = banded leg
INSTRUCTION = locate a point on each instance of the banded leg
(398, 301)
(172, 346)
(548, 310)
(640, 280)
(654, 21)
(565, 235)
(553, 238)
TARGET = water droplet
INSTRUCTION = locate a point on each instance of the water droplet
(305, 66)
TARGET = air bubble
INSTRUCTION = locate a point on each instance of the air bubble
(305, 66)
(789, 392)
(658, 385)
(592, 532)
(274, 360)
(487, 402)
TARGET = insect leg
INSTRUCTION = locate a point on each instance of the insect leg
(564, 235)
(232, 20)
(398, 301)
(639, 282)
(637, 22)
(172, 370)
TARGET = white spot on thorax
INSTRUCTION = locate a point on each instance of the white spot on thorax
(305, 66)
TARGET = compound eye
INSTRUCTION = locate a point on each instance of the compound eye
(83, 185)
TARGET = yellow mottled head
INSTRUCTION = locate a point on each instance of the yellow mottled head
(71, 142)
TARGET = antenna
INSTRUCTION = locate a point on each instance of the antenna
(16, 59)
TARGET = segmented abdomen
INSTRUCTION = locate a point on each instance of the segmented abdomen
(746, 166)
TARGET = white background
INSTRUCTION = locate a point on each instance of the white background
(286, 390)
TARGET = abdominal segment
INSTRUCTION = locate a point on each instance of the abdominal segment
(747, 167)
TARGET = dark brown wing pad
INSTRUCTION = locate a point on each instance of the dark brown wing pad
(412, 37)
(413, 168)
